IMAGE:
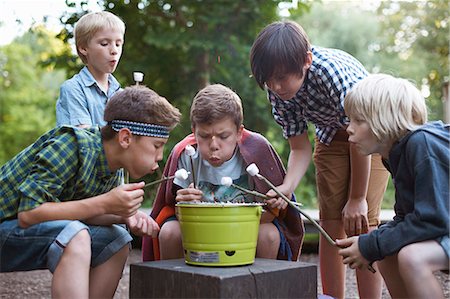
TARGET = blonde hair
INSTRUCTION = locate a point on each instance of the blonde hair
(214, 103)
(392, 106)
(89, 24)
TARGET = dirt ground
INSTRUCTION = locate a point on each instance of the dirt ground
(36, 284)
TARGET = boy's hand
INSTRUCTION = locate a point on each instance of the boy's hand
(142, 224)
(354, 217)
(277, 202)
(125, 200)
(189, 194)
(351, 254)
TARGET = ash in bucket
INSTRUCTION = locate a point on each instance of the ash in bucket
(219, 234)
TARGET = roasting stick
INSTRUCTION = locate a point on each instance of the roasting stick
(190, 151)
(253, 170)
(180, 174)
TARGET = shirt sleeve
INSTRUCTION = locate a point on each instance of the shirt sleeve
(430, 216)
(53, 167)
(72, 107)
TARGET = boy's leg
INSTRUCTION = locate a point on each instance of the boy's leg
(268, 241)
(370, 285)
(104, 278)
(389, 270)
(170, 242)
(332, 178)
(417, 262)
(71, 276)
(332, 270)
(110, 249)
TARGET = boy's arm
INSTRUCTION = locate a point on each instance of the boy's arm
(72, 107)
(354, 214)
(122, 201)
(299, 159)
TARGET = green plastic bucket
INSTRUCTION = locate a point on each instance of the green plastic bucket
(219, 234)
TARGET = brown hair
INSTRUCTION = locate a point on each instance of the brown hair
(279, 47)
(89, 24)
(139, 104)
(214, 103)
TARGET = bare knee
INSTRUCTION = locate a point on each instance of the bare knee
(170, 232)
(268, 241)
(80, 244)
(268, 234)
(409, 259)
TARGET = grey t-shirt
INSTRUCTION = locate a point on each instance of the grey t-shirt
(208, 177)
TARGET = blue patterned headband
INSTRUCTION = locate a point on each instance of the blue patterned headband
(141, 128)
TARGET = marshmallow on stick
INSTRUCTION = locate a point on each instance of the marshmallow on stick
(138, 77)
(190, 151)
(227, 181)
(180, 174)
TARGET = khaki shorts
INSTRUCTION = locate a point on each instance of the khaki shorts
(333, 179)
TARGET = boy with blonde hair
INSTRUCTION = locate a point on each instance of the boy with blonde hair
(61, 198)
(224, 148)
(388, 116)
(99, 38)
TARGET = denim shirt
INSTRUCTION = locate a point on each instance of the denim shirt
(419, 164)
(82, 102)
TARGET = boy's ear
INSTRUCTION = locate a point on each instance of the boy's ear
(308, 60)
(239, 132)
(82, 50)
(125, 137)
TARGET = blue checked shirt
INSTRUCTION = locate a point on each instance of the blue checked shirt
(320, 99)
(63, 164)
(82, 102)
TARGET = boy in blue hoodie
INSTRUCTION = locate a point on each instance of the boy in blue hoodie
(388, 116)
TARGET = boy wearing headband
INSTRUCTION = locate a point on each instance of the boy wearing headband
(389, 116)
(60, 198)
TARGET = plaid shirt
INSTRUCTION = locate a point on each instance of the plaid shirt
(320, 99)
(64, 164)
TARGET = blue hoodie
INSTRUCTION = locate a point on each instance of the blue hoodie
(419, 165)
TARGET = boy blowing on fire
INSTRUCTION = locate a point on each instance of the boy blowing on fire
(223, 149)
(60, 198)
(388, 116)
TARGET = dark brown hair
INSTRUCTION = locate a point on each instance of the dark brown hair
(279, 47)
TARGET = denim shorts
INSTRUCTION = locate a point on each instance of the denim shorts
(444, 241)
(41, 246)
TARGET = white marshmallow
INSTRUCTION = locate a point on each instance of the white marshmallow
(181, 174)
(190, 150)
(252, 169)
(226, 181)
(138, 77)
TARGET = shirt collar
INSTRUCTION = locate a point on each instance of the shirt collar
(89, 80)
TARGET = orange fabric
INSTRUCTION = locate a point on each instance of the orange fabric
(165, 213)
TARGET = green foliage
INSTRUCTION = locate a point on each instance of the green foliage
(407, 39)
(28, 91)
(181, 46)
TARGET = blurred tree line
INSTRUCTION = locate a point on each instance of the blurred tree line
(181, 46)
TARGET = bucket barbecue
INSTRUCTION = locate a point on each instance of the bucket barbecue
(219, 234)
